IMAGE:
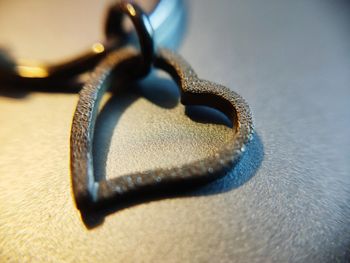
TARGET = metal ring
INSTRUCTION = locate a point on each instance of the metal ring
(64, 73)
(142, 25)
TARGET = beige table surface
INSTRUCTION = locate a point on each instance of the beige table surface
(288, 200)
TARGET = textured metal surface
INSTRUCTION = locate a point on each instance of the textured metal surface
(90, 192)
(287, 200)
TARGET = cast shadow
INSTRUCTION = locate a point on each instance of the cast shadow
(204, 114)
(160, 91)
(21, 89)
(165, 94)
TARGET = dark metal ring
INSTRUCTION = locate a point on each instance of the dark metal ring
(38, 74)
(142, 25)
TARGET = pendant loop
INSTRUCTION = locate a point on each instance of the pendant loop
(142, 25)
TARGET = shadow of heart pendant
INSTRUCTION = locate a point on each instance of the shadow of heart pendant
(90, 193)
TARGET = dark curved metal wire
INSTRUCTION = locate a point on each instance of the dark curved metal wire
(67, 71)
(142, 26)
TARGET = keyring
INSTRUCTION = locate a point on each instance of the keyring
(67, 72)
(142, 26)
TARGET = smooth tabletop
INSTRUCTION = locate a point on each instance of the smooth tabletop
(288, 200)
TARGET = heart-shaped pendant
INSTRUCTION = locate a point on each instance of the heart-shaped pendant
(90, 193)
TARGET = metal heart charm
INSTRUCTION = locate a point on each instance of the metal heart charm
(90, 193)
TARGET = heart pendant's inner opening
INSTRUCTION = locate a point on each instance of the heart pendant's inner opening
(144, 126)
